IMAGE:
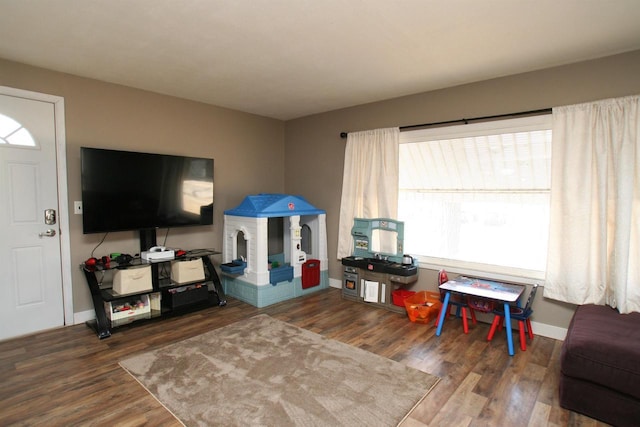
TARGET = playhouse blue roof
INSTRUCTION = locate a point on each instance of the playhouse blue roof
(273, 205)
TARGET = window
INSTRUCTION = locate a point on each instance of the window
(14, 134)
(476, 197)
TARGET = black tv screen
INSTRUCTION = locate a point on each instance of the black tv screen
(124, 190)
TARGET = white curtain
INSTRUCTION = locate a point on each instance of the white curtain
(594, 244)
(370, 181)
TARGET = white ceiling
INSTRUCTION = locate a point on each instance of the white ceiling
(292, 58)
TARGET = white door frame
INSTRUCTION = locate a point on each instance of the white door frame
(61, 171)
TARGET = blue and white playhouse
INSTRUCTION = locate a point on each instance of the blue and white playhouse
(274, 248)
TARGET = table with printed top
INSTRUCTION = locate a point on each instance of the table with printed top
(505, 293)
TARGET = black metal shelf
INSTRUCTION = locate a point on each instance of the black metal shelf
(101, 293)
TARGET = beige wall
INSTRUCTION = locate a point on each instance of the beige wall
(248, 151)
(304, 156)
(314, 151)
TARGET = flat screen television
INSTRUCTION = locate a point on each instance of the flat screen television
(125, 190)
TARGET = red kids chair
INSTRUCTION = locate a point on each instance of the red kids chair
(456, 301)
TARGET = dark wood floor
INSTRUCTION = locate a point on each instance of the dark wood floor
(69, 377)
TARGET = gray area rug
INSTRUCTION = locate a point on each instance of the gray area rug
(265, 372)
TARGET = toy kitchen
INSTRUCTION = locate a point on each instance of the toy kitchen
(378, 270)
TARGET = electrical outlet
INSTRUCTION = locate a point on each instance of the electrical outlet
(77, 208)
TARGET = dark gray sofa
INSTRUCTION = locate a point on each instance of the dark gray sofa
(600, 365)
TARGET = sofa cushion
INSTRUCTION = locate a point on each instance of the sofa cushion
(603, 346)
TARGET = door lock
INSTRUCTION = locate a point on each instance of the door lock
(50, 216)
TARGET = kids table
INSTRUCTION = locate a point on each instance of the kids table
(505, 293)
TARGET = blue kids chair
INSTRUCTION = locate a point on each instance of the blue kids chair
(522, 315)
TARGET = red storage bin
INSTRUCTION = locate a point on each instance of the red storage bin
(310, 273)
(399, 295)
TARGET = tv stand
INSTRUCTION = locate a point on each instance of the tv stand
(147, 239)
(171, 298)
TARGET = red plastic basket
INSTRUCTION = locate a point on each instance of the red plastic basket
(423, 306)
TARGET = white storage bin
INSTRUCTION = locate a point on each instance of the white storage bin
(187, 271)
(126, 310)
(132, 280)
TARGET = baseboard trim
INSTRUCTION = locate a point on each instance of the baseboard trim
(83, 316)
(549, 331)
(335, 283)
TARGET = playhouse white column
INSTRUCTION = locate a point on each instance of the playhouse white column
(259, 268)
(322, 242)
(296, 257)
(229, 246)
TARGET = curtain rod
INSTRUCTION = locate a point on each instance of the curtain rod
(474, 119)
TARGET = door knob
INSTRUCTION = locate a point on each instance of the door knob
(49, 233)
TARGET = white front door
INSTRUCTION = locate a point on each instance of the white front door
(31, 291)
